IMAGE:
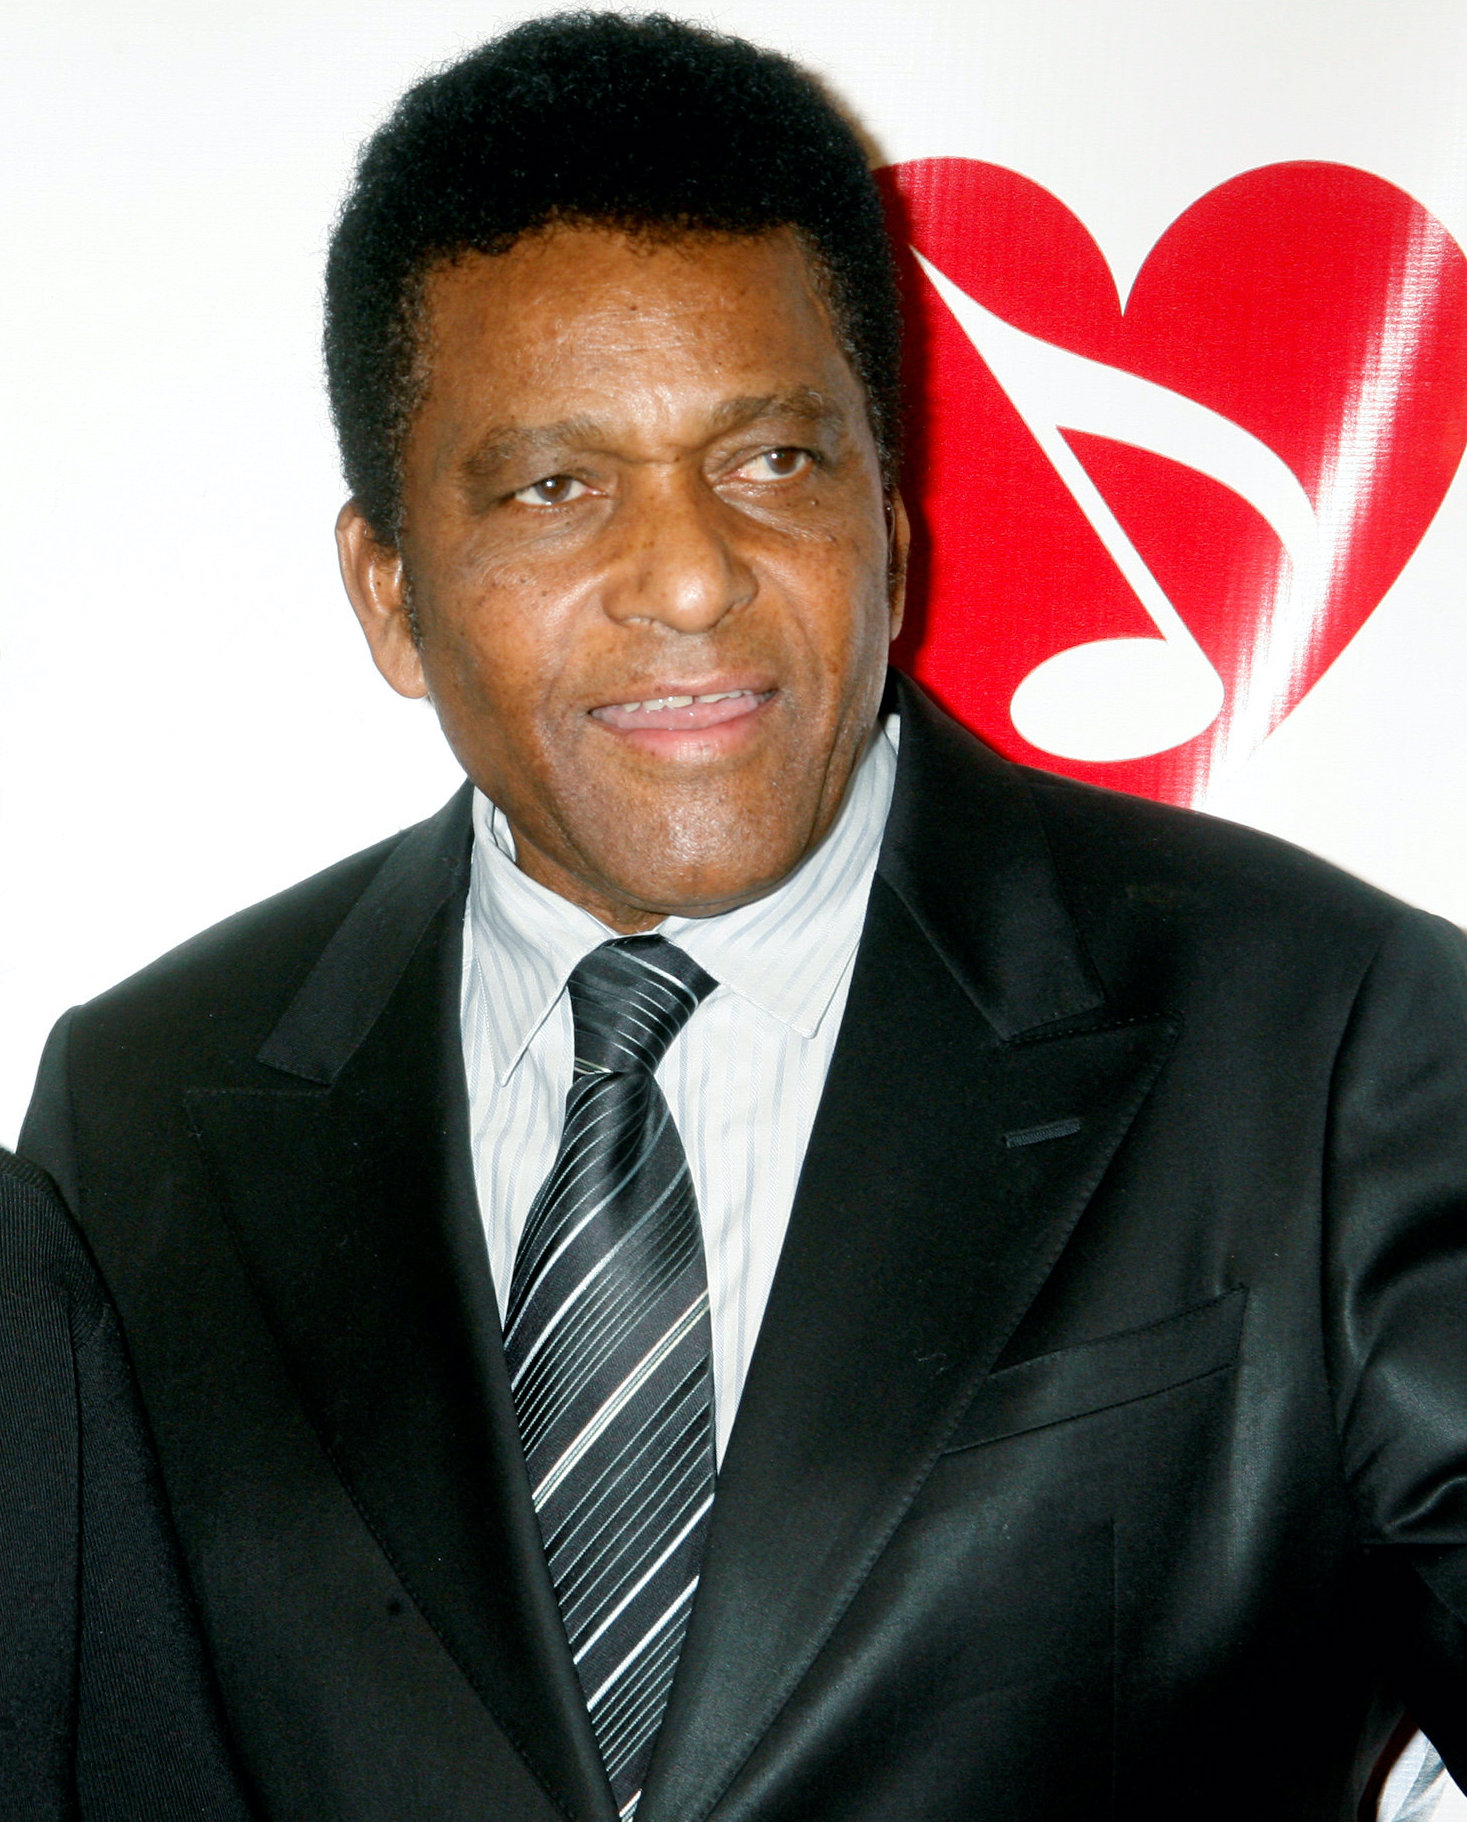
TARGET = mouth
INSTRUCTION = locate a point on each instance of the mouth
(682, 714)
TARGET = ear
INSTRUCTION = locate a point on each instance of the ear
(898, 544)
(377, 587)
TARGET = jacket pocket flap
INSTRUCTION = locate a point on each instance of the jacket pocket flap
(1094, 1375)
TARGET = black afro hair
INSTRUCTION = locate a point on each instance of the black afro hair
(645, 124)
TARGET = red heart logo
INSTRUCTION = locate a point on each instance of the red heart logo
(1143, 533)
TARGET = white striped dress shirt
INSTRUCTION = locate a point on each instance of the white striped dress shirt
(743, 1078)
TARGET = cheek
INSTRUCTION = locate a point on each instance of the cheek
(482, 687)
(495, 644)
(853, 629)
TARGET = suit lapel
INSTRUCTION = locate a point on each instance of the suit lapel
(350, 1192)
(978, 1090)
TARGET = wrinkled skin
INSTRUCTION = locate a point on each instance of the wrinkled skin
(640, 470)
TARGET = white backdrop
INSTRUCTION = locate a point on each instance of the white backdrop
(188, 720)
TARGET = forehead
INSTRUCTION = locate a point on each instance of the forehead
(573, 317)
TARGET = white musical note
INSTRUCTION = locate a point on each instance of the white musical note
(1125, 698)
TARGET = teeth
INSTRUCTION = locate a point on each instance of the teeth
(680, 702)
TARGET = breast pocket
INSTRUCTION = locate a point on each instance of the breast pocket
(1098, 1375)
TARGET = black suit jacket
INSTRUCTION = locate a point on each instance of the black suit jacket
(107, 1712)
(1103, 1451)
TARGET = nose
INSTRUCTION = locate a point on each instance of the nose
(678, 563)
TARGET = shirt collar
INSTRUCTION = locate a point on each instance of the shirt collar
(785, 952)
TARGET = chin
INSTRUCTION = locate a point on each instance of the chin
(701, 890)
(692, 854)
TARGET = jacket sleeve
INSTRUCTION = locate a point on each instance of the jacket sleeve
(47, 1137)
(105, 1690)
(150, 1735)
(1395, 1310)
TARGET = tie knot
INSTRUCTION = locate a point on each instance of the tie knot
(630, 998)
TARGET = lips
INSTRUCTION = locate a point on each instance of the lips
(681, 713)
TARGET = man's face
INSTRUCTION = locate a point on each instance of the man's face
(647, 550)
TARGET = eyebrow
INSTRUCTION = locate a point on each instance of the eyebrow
(510, 442)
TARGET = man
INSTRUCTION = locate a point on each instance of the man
(763, 1263)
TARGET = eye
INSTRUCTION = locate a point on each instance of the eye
(552, 490)
(775, 464)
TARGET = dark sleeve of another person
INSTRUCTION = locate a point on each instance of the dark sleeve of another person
(107, 1708)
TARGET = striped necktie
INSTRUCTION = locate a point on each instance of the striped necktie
(610, 1357)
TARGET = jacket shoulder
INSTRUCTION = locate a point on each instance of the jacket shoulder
(1113, 856)
(221, 993)
(1163, 855)
(1158, 892)
(43, 1259)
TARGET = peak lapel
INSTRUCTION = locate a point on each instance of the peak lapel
(949, 1163)
(351, 1195)
(966, 854)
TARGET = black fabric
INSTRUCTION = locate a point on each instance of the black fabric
(107, 1710)
(1104, 1451)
